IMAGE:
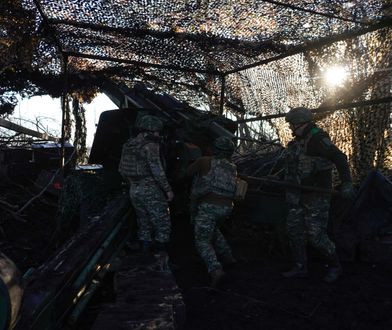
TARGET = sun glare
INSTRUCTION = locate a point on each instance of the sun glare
(335, 76)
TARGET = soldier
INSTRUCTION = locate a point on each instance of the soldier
(309, 160)
(212, 193)
(150, 191)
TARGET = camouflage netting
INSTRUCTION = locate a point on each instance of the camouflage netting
(270, 55)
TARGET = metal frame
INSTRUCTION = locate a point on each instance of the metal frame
(322, 42)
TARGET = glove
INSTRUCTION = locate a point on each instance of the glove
(347, 190)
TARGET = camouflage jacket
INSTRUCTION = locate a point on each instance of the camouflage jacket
(220, 179)
(310, 159)
(141, 159)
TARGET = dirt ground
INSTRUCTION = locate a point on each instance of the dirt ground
(253, 295)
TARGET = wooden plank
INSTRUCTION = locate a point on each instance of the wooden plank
(20, 129)
(145, 298)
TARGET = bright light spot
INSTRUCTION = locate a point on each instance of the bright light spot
(335, 76)
(348, 5)
(43, 113)
(307, 25)
(93, 111)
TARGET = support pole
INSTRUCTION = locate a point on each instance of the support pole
(222, 95)
(322, 109)
(63, 109)
(288, 185)
(317, 44)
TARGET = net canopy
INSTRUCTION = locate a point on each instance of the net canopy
(242, 58)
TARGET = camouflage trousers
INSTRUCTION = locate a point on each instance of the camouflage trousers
(152, 210)
(209, 240)
(308, 222)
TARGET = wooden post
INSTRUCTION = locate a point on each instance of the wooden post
(63, 109)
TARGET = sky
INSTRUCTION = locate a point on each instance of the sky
(47, 111)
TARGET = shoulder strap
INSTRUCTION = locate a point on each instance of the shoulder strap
(314, 131)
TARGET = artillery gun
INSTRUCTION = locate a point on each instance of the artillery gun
(56, 293)
(187, 133)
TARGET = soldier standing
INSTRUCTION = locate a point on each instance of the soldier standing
(150, 191)
(212, 193)
(309, 160)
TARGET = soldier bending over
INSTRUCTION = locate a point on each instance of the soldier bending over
(213, 192)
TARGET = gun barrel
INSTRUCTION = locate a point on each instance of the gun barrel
(290, 184)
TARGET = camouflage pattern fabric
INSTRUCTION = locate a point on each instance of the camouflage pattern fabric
(149, 163)
(152, 210)
(133, 161)
(208, 238)
(220, 180)
(193, 207)
(83, 195)
(300, 166)
(69, 201)
(308, 223)
(148, 188)
(308, 216)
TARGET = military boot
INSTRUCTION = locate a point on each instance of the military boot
(216, 277)
(335, 269)
(300, 268)
(162, 262)
(161, 256)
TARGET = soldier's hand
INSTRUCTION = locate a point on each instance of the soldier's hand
(170, 196)
(347, 190)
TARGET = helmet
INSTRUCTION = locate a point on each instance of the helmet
(224, 144)
(150, 123)
(299, 116)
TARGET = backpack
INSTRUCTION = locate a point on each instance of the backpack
(220, 180)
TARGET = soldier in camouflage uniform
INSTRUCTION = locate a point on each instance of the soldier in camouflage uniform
(150, 191)
(212, 194)
(309, 160)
